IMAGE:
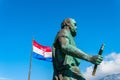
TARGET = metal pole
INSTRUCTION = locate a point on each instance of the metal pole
(30, 67)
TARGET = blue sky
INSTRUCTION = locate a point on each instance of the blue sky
(98, 22)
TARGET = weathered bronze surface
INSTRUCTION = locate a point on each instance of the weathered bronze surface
(66, 56)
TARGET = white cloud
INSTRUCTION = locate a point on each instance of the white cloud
(110, 65)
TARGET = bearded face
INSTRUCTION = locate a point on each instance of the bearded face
(73, 27)
(71, 23)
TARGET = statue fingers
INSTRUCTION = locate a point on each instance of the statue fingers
(100, 58)
(98, 61)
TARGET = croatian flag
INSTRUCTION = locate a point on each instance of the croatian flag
(42, 52)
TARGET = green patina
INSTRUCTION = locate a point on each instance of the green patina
(66, 55)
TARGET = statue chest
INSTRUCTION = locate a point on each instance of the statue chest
(72, 41)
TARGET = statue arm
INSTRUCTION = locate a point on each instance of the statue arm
(72, 50)
(67, 48)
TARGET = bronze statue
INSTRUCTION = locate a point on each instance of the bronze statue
(66, 56)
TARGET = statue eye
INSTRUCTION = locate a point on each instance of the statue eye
(75, 24)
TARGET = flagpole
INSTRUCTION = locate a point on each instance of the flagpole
(30, 66)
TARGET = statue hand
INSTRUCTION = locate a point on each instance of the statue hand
(97, 59)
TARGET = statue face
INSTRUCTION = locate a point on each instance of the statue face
(73, 27)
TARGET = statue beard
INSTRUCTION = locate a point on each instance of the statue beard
(73, 33)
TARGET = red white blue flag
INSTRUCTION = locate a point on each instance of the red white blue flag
(41, 52)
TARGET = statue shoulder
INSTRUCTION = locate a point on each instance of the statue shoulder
(63, 33)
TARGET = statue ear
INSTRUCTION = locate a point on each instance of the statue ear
(65, 24)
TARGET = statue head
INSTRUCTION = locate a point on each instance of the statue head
(71, 24)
